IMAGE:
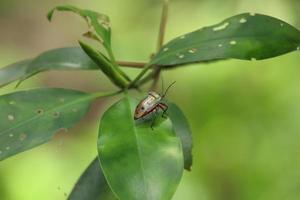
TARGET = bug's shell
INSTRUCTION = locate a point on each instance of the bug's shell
(147, 105)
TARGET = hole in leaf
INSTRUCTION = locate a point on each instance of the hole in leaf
(22, 136)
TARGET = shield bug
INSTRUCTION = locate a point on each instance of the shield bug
(151, 104)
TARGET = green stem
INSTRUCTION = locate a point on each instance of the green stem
(140, 75)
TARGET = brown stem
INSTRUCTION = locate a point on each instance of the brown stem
(163, 24)
(131, 64)
(161, 36)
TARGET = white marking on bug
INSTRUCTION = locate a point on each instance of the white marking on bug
(166, 49)
(193, 50)
(233, 42)
(243, 20)
(281, 24)
(11, 135)
(182, 37)
(220, 45)
(22, 136)
(252, 14)
(7, 148)
(12, 103)
(253, 59)
(221, 27)
(298, 48)
(10, 117)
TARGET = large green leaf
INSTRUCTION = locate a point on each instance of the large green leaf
(13, 72)
(183, 131)
(92, 185)
(30, 118)
(138, 162)
(244, 36)
(97, 22)
(71, 58)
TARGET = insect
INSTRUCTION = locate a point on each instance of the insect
(151, 104)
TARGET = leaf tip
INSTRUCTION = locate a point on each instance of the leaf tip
(50, 14)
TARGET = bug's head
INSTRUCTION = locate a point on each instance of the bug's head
(140, 111)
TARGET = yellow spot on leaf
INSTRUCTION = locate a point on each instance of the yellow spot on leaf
(23, 136)
(221, 27)
(243, 20)
(10, 117)
(233, 42)
(193, 50)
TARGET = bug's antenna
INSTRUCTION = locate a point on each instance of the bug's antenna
(168, 89)
(162, 84)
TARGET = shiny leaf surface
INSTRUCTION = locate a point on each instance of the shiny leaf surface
(13, 72)
(92, 185)
(30, 118)
(245, 36)
(71, 58)
(183, 131)
(138, 162)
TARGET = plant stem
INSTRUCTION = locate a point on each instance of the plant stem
(163, 24)
(160, 42)
(139, 76)
(132, 64)
(162, 29)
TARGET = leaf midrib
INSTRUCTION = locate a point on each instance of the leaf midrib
(138, 147)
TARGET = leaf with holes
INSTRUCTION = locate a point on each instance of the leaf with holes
(138, 162)
(98, 23)
(30, 118)
(71, 58)
(92, 185)
(244, 36)
(183, 131)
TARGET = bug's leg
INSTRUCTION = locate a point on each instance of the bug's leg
(164, 107)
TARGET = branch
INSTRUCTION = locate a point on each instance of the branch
(132, 64)
(163, 24)
(160, 42)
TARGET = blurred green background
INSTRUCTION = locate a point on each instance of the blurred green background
(244, 115)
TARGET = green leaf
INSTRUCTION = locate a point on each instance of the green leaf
(106, 66)
(97, 22)
(92, 185)
(244, 36)
(138, 162)
(71, 58)
(13, 72)
(183, 131)
(30, 118)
